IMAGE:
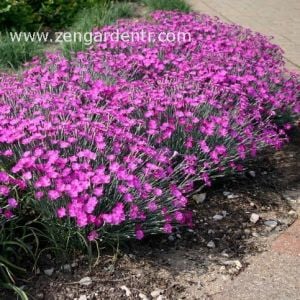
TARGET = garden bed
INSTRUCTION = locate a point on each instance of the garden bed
(185, 268)
(109, 150)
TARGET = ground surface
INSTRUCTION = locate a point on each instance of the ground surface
(224, 257)
(277, 18)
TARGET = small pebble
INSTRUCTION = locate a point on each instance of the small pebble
(127, 290)
(254, 218)
(171, 238)
(199, 198)
(143, 296)
(40, 296)
(232, 196)
(271, 223)
(82, 297)
(156, 293)
(211, 244)
(218, 217)
(49, 272)
(67, 268)
(252, 173)
(86, 281)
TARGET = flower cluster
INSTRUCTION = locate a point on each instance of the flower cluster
(116, 138)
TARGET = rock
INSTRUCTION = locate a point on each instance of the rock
(224, 253)
(171, 238)
(232, 196)
(126, 289)
(226, 193)
(199, 198)
(271, 223)
(49, 272)
(254, 218)
(40, 296)
(252, 173)
(160, 297)
(225, 277)
(211, 244)
(70, 296)
(235, 263)
(74, 265)
(218, 217)
(143, 296)
(82, 297)
(85, 281)
(292, 212)
(67, 268)
(156, 293)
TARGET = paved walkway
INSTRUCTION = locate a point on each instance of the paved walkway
(274, 274)
(278, 18)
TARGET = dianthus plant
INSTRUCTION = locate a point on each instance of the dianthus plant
(116, 138)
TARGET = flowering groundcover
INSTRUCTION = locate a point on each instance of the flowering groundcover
(115, 139)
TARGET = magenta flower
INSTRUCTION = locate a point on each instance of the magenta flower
(12, 202)
(117, 136)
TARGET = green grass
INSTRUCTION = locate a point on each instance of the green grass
(14, 54)
(96, 16)
(167, 5)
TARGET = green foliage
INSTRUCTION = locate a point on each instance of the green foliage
(31, 14)
(60, 13)
(95, 16)
(17, 14)
(13, 54)
(167, 5)
(16, 243)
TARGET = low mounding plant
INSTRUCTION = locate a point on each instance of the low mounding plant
(116, 139)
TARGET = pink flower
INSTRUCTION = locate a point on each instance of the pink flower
(4, 190)
(53, 195)
(139, 234)
(12, 202)
(168, 228)
(61, 212)
(93, 235)
(8, 214)
(27, 175)
(90, 205)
